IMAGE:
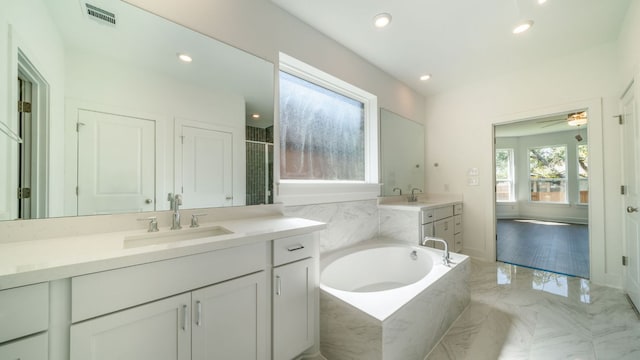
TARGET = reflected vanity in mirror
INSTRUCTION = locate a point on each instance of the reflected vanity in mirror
(119, 107)
(401, 154)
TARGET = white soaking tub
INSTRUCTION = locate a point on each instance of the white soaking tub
(389, 300)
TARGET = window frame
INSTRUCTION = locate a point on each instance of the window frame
(511, 179)
(302, 192)
(565, 201)
(578, 178)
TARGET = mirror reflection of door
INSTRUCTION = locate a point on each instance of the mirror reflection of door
(542, 193)
(631, 162)
(26, 132)
(205, 166)
(115, 179)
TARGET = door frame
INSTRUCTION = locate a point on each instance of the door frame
(596, 214)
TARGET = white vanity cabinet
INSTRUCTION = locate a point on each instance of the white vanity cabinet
(229, 320)
(24, 320)
(444, 222)
(294, 296)
(158, 330)
(169, 309)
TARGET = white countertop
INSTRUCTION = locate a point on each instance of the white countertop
(32, 261)
(401, 203)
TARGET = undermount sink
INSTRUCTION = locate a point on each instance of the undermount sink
(169, 236)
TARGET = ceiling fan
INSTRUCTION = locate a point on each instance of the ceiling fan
(572, 119)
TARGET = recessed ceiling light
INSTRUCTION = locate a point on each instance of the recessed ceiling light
(542, 1)
(523, 26)
(255, 116)
(425, 77)
(185, 58)
(382, 20)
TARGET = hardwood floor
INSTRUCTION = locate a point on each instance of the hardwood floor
(557, 247)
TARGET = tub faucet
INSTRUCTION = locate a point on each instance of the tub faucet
(445, 255)
(176, 201)
(413, 197)
(398, 189)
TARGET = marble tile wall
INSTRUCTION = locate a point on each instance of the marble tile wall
(348, 223)
(400, 225)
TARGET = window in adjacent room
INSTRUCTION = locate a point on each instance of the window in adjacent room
(583, 174)
(504, 175)
(548, 174)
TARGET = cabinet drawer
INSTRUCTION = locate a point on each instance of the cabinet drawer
(457, 246)
(443, 212)
(457, 224)
(32, 348)
(108, 291)
(457, 209)
(426, 216)
(23, 311)
(293, 248)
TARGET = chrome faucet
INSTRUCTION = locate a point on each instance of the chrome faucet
(413, 197)
(398, 189)
(445, 255)
(176, 201)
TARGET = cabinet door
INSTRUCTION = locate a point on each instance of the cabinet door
(444, 229)
(293, 309)
(31, 348)
(229, 320)
(156, 331)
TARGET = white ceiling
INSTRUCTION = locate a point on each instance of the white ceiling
(461, 41)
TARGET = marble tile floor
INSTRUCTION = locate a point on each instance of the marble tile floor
(520, 313)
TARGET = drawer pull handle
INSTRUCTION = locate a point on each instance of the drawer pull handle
(278, 285)
(295, 247)
(184, 317)
(198, 313)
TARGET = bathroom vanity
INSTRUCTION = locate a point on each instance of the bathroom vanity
(412, 221)
(249, 292)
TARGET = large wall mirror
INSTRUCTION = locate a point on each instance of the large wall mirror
(118, 108)
(401, 154)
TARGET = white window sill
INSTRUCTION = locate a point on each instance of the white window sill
(295, 193)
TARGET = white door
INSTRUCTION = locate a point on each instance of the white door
(293, 309)
(116, 163)
(229, 320)
(631, 166)
(156, 331)
(205, 171)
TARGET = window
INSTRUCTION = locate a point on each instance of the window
(321, 133)
(583, 174)
(504, 175)
(328, 135)
(548, 174)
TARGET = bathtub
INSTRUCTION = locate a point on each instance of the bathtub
(389, 300)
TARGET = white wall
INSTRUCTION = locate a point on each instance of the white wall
(557, 85)
(32, 31)
(571, 212)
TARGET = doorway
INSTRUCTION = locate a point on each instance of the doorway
(542, 193)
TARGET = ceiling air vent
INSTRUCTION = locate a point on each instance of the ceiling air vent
(100, 15)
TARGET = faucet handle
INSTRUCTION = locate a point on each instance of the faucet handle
(194, 220)
(153, 223)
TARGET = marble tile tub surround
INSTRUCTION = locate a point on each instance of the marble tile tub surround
(408, 334)
(348, 223)
(518, 313)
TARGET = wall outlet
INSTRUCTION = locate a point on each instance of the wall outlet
(472, 181)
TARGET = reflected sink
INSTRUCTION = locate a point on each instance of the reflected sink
(169, 236)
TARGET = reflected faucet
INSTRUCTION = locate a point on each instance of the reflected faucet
(445, 255)
(398, 189)
(413, 197)
(176, 201)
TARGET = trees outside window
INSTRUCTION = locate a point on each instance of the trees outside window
(548, 174)
(583, 174)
